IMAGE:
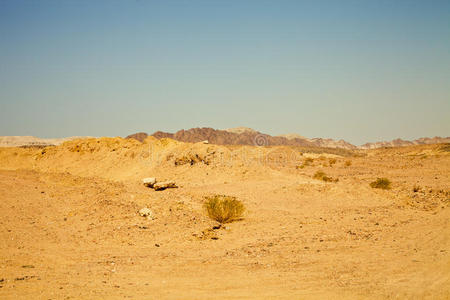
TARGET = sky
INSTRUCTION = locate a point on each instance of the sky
(358, 70)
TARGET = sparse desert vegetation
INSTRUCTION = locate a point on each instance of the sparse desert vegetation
(224, 209)
(332, 161)
(306, 162)
(320, 175)
(381, 183)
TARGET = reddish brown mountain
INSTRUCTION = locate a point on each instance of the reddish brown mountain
(238, 137)
(248, 136)
(140, 136)
(223, 137)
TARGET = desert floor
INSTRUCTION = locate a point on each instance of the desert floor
(70, 228)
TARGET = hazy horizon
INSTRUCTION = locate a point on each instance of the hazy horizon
(362, 71)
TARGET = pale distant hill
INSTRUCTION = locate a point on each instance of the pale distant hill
(291, 136)
(401, 143)
(240, 130)
(31, 141)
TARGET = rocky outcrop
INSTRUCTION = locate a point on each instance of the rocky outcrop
(159, 186)
(149, 182)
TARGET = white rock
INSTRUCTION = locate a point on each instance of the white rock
(146, 212)
(205, 142)
(149, 182)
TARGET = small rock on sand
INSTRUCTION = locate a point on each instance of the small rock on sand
(164, 185)
(146, 212)
(149, 182)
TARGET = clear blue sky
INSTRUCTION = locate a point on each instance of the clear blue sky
(357, 70)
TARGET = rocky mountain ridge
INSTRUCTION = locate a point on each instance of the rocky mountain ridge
(248, 136)
(232, 136)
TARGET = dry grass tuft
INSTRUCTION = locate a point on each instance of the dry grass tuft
(348, 163)
(224, 209)
(320, 175)
(445, 148)
(307, 162)
(381, 183)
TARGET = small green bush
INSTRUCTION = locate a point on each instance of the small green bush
(224, 209)
(381, 183)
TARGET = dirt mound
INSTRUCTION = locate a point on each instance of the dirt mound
(129, 159)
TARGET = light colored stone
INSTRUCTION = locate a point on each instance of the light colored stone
(149, 182)
(164, 185)
(146, 212)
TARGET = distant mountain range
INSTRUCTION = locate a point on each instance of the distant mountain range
(231, 136)
(248, 136)
(31, 141)
(401, 143)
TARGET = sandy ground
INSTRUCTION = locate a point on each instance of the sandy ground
(70, 229)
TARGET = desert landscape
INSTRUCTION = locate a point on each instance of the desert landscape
(77, 221)
(197, 150)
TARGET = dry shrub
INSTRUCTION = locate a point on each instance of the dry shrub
(191, 159)
(307, 162)
(416, 188)
(320, 175)
(348, 163)
(224, 209)
(332, 161)
(381, 183)
(445, 148)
